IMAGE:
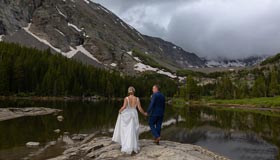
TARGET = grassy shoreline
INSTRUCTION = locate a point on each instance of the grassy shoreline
(262, 102)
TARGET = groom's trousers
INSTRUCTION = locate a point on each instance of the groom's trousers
(155, 123)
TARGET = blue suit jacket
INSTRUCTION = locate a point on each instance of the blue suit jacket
(157, 105)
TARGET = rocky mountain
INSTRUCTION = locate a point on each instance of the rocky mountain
(245, 62)
(86, 31)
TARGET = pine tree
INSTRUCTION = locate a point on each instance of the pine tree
(225, 89)
(243, 90)
(192, 90)
(273, 85)
(18, 75)
(259, 87)
(4, 81)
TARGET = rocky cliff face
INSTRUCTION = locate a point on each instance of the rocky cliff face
(88, 32)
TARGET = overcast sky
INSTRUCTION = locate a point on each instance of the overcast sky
(209, 28)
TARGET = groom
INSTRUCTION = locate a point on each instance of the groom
(156, 111)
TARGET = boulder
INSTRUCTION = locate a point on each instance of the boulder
(57, 130)
(12, 113)
(32, 144)
(60, 118)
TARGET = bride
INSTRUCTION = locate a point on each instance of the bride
(126, 131)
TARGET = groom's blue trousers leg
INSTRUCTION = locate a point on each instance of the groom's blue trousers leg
(152, 122)
(158, 125)
(155, 123)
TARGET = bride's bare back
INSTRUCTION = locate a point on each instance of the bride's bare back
(133, 101)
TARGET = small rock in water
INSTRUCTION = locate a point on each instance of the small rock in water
(57, 131)
(60, 118)
(32, 144)
(66, 133)
(79, 137)
(52, 143)
(66, 139)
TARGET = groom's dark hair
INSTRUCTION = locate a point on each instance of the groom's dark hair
(157, 86)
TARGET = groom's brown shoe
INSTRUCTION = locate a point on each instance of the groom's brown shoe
(157, 141)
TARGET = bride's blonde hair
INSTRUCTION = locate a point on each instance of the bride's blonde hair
(131, 90)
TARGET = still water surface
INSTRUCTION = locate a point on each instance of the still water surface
(237, 134)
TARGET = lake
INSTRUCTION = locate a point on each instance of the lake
(234, 133)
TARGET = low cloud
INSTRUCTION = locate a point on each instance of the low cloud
(210, 28)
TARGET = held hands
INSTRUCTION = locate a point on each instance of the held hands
(145, 114)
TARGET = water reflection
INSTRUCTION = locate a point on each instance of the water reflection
(237, 134)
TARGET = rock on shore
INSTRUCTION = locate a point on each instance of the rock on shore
(12, 113)
(104, 148)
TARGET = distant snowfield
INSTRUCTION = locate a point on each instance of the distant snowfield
(59, 31)
(135, 58)
(167, 74)
(113, 64)
(1, 37)
(213, 63)
(143, 67)
(233, 63)
(123, 25)
(104, 9)
(75, 27)
(86, 1)
(69, 54)
(60, 12)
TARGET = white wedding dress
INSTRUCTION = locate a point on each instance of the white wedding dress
(126, 131)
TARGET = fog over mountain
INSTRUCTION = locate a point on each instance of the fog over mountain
(210, 28)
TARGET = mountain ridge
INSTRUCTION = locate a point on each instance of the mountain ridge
(88, 32)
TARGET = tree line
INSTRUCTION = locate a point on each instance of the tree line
(28, 71)
(265, 82)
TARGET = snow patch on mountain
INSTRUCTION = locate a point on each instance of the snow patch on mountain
(104, 9)
(143, 67)
(1, 37)
(60, 32)
(69, 54)
(166, 73)
(135, 58)
(213, 63)
(113, 64)
(87, 53)
(160, 49)
(40, 39)
(139, 34)
(75, 27)
(60, 12)
(87, 1)
(131, 27)
(123, 25)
